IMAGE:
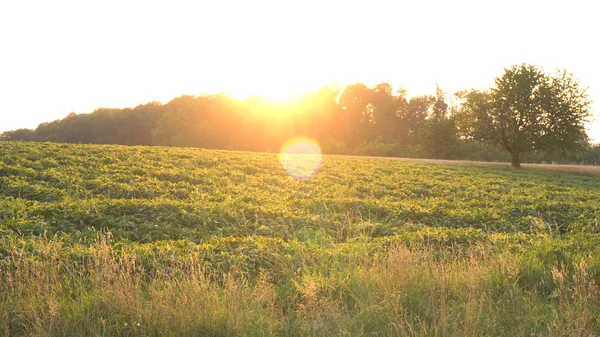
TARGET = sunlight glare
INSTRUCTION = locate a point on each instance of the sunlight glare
(274, 93)
(301, 157)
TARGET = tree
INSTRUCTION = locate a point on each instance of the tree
(438, 134)
(177, 126)
(467, 116)
(415, 113)
(50, 132)
(529, 110)
(385, 111)
(357, 112)
(19, 135)
(438, 138)
(439, 106)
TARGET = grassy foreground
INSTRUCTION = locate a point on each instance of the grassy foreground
(138, 241)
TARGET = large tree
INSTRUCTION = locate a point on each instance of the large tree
(357, 112)
(528, 110)
(385, 111)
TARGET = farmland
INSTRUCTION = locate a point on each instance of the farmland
(126, 241)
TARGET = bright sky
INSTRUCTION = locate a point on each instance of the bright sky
(63, 56)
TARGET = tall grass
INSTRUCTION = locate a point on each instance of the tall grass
(403, 292)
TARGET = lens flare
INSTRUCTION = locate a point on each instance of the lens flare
(301, 157)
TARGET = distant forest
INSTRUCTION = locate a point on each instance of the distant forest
(355, 120)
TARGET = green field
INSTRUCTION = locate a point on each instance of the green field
(153, 241)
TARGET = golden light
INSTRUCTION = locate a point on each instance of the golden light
(301, 157)
(272, 91)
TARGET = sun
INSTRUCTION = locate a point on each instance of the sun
(274, 92)
(280, 94)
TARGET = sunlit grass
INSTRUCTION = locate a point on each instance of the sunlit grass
(223, 243)
(402, 291)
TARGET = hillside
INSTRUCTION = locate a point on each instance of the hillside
(364, 246)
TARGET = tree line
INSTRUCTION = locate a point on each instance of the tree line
(529, 115)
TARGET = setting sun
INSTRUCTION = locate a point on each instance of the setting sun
(266, 48)
(439, 168)
(273, 93)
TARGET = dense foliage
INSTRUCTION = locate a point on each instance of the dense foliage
(356, 119)
(529, 110)
(126, 241)
(157, 193)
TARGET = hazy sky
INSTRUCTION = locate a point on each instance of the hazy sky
(63, 56)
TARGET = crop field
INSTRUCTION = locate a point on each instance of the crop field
(154, 241)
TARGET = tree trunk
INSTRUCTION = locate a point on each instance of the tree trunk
(515, 159)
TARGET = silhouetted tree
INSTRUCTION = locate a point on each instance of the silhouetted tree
(416, 113)
(385, 112)
(51, 132)
(176, 126)
(529, 110)
(439, 107)
(18, 135)
(357, 113)
(438, 139)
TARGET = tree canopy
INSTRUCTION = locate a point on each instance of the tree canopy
(528, 110)
(527, 115)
